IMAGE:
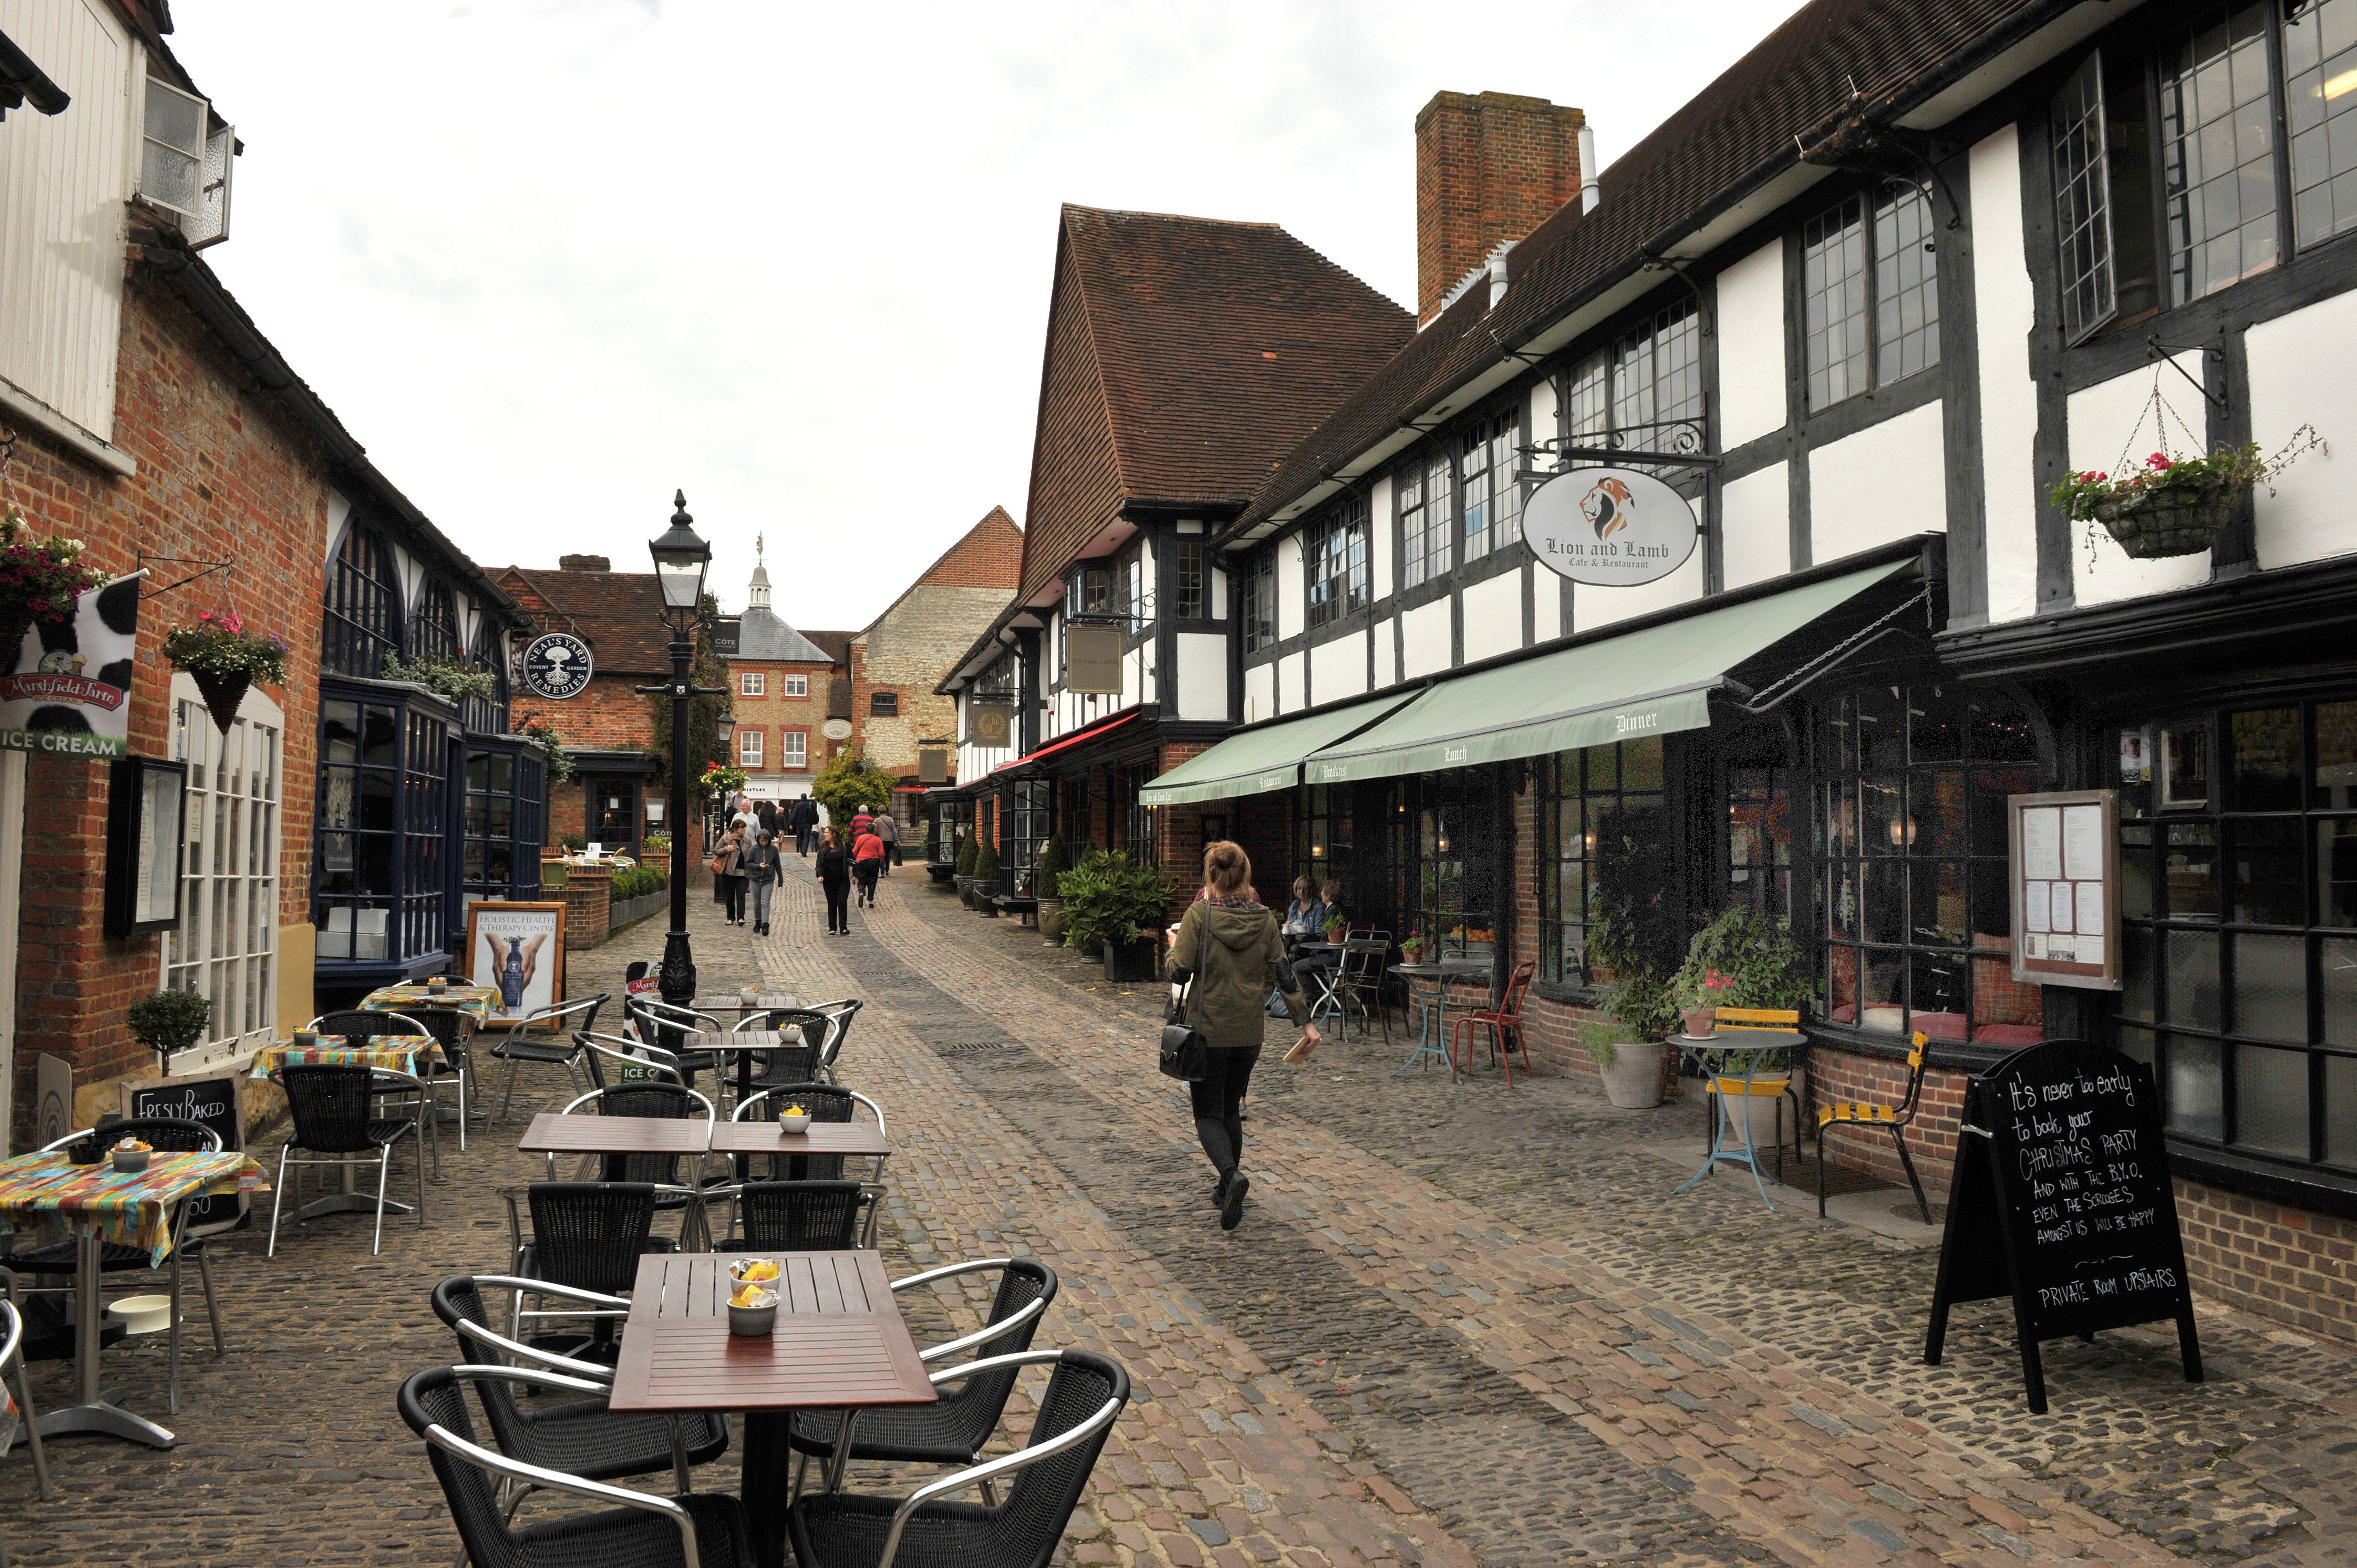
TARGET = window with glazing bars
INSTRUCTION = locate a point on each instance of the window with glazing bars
(361, 624)
(1649, 375)
(2217, 152)
(1606, 871)
(2319, 55)
(1486, 464)
(435, 633)
(225, 948)
(1869, 293)
(1334, 561)
(1259, 608)
(1427, 491)
(1187, 573)
(2082, 215)
(488, 715)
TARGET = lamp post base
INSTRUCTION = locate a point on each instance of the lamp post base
(678, 973)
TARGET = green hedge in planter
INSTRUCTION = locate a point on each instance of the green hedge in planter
(965, 854)
(638, 882)
(1053, 862)
(1107, 898)
(986, 862)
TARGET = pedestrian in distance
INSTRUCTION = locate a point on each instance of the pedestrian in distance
(867, 861)
(835, 880)
(761, 872)
(888, 828)
(861, 822)
(804, 821)
(728, 874)
(746, 818)
(1228, 953)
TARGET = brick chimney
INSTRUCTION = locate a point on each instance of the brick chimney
(584, 563)
(1489, 167)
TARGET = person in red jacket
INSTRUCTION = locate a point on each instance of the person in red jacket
(867, 860)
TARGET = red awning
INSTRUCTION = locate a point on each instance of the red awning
(1054, 747)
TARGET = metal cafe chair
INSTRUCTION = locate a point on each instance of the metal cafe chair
(331, 1107)
(172, 1136)
(695, 1530)
(1085, 1394)
(843, 1011)
(518, 1046)
(1864, 1113)
(13, 1361)
(658, 1023)
(801, 1216)
(453, 1031)
(665, 1101)
(1504, 1023)
(360, 1027)
(1359, 978)
(587, 1235)
(1775, 1025)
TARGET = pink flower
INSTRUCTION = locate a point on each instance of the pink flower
(2159, 463)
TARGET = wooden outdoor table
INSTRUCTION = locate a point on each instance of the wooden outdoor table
(745, 1045)
(839, 1344)
(743, 1139)
(554, 1133)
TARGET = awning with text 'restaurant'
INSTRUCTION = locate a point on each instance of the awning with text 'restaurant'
(1262, 759)
(1652, 679)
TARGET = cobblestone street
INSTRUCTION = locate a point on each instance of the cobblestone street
(1459, 1324)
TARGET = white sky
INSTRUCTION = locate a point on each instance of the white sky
(551, 259)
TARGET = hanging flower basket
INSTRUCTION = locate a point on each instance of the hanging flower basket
(225, 660)
(40, 580)
(2177, 522)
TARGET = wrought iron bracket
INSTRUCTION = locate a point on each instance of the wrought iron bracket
(1759, 704)
(1665, 444)
(1884, 152)
(2156, 352)
(668, 689)
(142, 558)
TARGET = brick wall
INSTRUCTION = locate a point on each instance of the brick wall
(223, 475)
(1837, 1075)
(2282, 1262)
(608, 715)
(1488, 166)
(774, 714)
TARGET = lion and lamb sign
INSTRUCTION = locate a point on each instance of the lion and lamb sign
(1612, 527)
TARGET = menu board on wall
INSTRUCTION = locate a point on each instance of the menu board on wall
(2061, 1199)
(2066, 888)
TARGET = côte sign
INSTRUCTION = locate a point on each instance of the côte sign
(1612, 527)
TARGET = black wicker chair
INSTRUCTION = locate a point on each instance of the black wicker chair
(172, 1136)
(658, 1023)
(331, 1107)
(452, 1030)
(518, 1045)
(843, 1012)
(355, 1025)
(703, 1529)
(590, 1235)
(802, 1216)
(1084, 1396)
(953, 1431)
(580, 1437)
(790, 1064)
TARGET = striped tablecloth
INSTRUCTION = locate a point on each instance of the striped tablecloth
(387, 1053)
(51, 1195)
(478, 1002)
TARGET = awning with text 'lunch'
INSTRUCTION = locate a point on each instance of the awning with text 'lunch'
(1652, 679)
(1262, 759)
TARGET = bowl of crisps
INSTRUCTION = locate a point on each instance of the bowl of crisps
(754, 1271)
(131, 1155)
(794, 1119)
(752, 1310)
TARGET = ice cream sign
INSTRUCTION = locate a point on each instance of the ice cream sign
(1612, 527)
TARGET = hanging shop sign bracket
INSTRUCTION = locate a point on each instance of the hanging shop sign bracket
(209, 568)
(1665, 444)
(1759, 704)
(2156, 351)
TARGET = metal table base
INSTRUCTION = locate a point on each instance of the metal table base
(93, 1412)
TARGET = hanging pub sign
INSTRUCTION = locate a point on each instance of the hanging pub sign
(988, 724)
(2066, 888)
(1613, 528)
(2062, 1199)
(932, 766)
(1092, 659)
(557, 665)
(65, 686)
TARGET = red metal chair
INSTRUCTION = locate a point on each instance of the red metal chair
(1497, 1021)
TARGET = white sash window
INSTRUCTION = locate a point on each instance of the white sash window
(226, 946)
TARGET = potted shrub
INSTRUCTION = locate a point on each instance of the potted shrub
(170, 1021)
(1628, 1044)
(1412, 950)
(965, 853)
(1741, 959)
(1053, 862)
(224, 658)
(986, 880)
(1116, 908)
(2169, 505)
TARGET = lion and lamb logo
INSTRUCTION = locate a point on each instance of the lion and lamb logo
(1608, 506)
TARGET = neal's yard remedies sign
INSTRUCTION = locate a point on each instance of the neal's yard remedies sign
(2061, 1199)
(1612, 527)
(64, 687)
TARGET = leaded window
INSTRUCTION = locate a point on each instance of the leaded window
(1869, 294)
(1334, 561)
(1650, 374)
(434, 635)
(1426, 490)
(2320, 53)
(1187, 579)
(226, 946)
(1030, 824)
(362, 626)
(2083, 207)
(1605, 869)
(1486, 465)
(1258, 610)
(2217, 152)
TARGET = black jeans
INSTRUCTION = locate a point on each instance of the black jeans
(838, 903)
(733, 888)
(867, 870)
(1219, 1101)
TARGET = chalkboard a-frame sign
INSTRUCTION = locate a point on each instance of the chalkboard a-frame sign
(219, 1103)
(2061, 1197)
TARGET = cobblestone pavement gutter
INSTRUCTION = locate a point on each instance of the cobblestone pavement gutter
(1458, 1326)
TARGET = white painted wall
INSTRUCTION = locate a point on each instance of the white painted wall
(1886, 481)
(339, 513)
(1751, 347)
(1592, 607)
(1338, 669)
(2101, 417)
(1219, 587)
(1386, 653)
(1756, 526)
(1493, 616)
(1202, 675)
(1291, 697)
(1379, 543)
(1291, 613)
(1544, 406)
(2008, 311)
(63, 183)
(1547, 605)
(1424, 639)
(2300, 375)
(1260, 693)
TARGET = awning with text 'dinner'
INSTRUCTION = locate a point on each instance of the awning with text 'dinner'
(1258, 760)
(1652, 679)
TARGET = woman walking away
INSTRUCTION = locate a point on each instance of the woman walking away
(762, 878)
(867, 859)
(888, 828)
(728, 874)
(834, 876)
(1228, 949)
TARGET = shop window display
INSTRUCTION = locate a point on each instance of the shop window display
(1604, 856)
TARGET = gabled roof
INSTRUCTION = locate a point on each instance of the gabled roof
(619, 613)
(1732, 137)
(963, 561)
(836, 645)
(761, 634)
(1212, 347)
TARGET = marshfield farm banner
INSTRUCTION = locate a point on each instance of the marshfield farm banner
(65, 686)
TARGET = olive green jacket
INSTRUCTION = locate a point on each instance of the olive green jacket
(1233, 954)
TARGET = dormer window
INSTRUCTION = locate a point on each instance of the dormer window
(184, 157)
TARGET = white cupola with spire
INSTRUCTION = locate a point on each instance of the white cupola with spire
(757, 591)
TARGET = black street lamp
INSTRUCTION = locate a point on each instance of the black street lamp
(681, 559)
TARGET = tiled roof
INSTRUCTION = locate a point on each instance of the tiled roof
(761, 634)
(1734, 134)
(619, 613)
(836, 645)
(838, 697)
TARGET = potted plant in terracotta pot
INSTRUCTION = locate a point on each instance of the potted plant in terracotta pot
(2168, 506)
(1413, 948)
(225, 657)
(39, 579)
(1053, 862)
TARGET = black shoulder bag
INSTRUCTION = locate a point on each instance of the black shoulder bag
(1185, 1054)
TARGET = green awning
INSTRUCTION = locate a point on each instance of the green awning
(1262, 759)
(1651, 681)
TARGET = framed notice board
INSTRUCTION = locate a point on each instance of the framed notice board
(2066, 888)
